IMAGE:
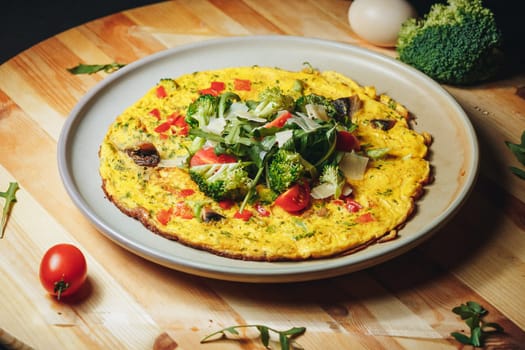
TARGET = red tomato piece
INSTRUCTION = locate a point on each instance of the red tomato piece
(346, 141)
(209, 91)
(156, 113)
(242, 84)
(215, 88)
(186, 192)
(182, 127)
(352, 206)
(63, 270)
(207, 156)
(164, 215)
(294, 199)
(226, 204)
(218, 86)
(163, 127)
(262, 210)
(161, 92)
(279, 121)
(244, 215)
(363, 219)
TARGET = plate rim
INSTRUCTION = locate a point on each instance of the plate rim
(334, 267)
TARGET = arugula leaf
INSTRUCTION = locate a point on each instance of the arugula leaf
(10, 199)
(94, 68)
(519, 151)
(285, 337)
(472, 313)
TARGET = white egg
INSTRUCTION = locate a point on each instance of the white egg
(379, 21)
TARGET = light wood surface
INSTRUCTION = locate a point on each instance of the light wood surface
(130, 303)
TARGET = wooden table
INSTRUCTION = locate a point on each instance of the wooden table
(130, 303)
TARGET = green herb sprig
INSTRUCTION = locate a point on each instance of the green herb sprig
(472, 313)
(519, 151)
(10, 199)
(94, 68)
(285, 337)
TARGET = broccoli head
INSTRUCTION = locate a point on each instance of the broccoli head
(284, 169)
(202, 110)
(271, 101)
(222, 181)
(456, 43)
(316, 100)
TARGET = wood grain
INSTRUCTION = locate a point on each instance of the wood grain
(130, 303)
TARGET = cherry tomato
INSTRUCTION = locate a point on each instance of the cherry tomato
(346, 141)
(295, 198)
(63, 270)
(279, 121)
(207, 156)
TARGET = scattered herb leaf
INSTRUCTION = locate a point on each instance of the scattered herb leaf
(472, 313)
(519, 151)
(94, 68)
(10, 199)
(285, 337)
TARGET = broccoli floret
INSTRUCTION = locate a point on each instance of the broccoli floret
(222, 181)
(316, 100)
(201, 110)
(331, 183)
(456, 43)
(271, 101)
(284, 169)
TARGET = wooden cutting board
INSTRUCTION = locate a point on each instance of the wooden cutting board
(131, 303)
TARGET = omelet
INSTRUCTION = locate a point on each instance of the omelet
(148, 163)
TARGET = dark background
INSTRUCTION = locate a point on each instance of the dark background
(24, 23)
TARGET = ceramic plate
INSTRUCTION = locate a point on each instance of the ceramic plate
(454, 152)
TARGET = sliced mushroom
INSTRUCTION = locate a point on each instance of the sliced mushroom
(383, 124)
(346, 107)
(145, 154)
(208, 215)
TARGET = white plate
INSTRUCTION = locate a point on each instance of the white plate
(454, 152)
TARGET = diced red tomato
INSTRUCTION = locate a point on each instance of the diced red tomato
(176, 120)
(363, 219)
(279, 121)
(186, 192)
(346, 141)
(262, 210)
(179, 121)
(352, 206)
(163, 127)
(226, 204)
(242, 84)
(216, 87)
(294, 199)
(164, 215)
(208, 91)
(156, 113)
(183, 210)
(161, 92)
(244, 215)
(207, 156)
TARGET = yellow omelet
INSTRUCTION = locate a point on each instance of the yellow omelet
(146, 163)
